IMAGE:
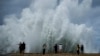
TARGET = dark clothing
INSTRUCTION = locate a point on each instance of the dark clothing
(22, 47)
(44, 48)
(44, 51)
(78, 52)
(56, 48)
(78, 49)
(82, 49)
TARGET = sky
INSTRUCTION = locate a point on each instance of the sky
(16, 6)
(11, 6)
(79, 21)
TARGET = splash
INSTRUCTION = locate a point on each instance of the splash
(47, 21)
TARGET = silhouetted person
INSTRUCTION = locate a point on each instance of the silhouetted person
(23, 47)
(78, 49)
(44, 48)
(82, 49)
(56, 48)
(20, 47)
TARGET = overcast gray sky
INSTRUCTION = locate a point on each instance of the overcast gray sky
(12, 6)
(15, 6)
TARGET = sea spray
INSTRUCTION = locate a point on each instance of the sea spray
(50, 22)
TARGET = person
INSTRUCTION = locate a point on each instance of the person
(60, 48)
(78, 49)
(20, 47)
(56, 48)
(23, 47)
(44, 48)
(82, 49)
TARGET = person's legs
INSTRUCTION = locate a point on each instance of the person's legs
(20, 51)
(55, 51)
(23, 51)
(78, 52)
(43, 51)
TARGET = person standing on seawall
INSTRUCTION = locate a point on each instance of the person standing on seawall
(78, 49)
(44, 48)
(82, 49)
(60, 48)
(56, 48)
(20, 47)
(24, 47)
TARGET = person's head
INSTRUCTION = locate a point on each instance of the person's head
(44, 44)
(23, 42)
(78, 45)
